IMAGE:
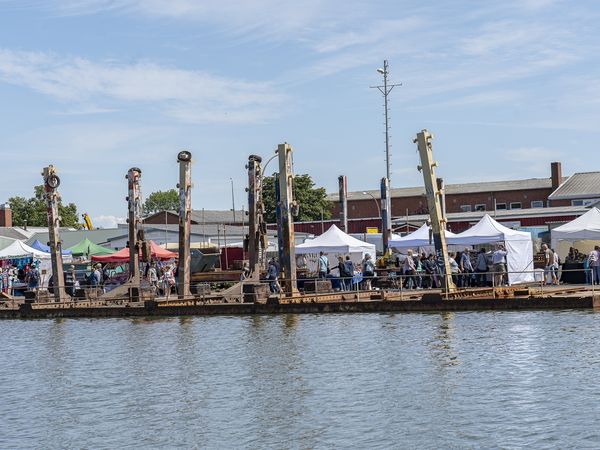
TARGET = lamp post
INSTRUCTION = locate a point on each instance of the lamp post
(375, 200)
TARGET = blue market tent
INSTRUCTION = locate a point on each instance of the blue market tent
(44, 248)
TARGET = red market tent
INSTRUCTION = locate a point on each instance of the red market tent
(122, 256)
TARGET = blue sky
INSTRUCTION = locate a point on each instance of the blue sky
(97, 86)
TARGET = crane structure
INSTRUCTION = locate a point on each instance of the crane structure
(51, 183)
(184, 158)
(438, 225)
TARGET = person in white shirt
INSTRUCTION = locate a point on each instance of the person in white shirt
(499, 264)
(594, 264)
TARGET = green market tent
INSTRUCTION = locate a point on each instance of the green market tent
(89, 249)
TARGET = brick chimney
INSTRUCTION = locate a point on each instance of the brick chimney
(5, 215)
(556, 174)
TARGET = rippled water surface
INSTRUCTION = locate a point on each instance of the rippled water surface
(484, 379)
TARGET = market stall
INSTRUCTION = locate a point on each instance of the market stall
(86, 249)
(582, 233)
(122, 256)
(519, 246)
(420, 240)
(20, 254)
(333, 243)
(44, 248)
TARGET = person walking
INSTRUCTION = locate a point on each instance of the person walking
(323, 266)
(273, 276)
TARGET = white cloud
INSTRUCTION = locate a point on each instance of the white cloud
(109, 84)
(107, 221)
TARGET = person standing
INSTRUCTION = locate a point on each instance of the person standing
(70, 281)
(343, 274)
(454, 269)
(466, 268)
(410, 270)
(499, 265)
(481, 267)
(557, 264)
(349, 269)
(323, 266)
(33, 277)
(168, 281)
(153, 277)
(594, 264)
(368, 270)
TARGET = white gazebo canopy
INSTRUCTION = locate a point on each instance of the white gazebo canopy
(335, 240)
(19, 249)
(519, 246)
(418, 238)
(584, 228)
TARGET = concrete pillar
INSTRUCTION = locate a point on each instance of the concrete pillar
(134, 203)
(386, 213)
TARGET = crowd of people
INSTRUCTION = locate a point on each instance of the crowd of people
(468, 268)
(13, 276)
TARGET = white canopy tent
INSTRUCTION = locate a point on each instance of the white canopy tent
(519, 246)
(19, 249)
(333, 243)
(417, 239)
(584, 228)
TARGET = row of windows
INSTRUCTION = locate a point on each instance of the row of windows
(512, 205)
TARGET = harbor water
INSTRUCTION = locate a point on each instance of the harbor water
(459, 380)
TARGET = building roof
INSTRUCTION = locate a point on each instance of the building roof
(70, 238)
(460, 188)
(207, 216)
(14, 233)
(503, 214)
(581, 185)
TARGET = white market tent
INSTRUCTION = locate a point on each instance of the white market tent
(418, 238)
(19, 249)
(334, 242)
(519, 246)
(584, 228)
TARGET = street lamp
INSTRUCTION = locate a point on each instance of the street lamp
(375, 200)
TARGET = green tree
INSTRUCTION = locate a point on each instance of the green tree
(312, 201)
(33, 211)
(162, 201)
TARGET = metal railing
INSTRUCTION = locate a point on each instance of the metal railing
(406, 285)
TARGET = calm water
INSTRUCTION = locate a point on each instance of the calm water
(460, 380)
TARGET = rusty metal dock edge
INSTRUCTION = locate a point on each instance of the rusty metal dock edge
(372, 306)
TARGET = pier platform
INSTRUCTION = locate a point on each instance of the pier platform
(556, 297)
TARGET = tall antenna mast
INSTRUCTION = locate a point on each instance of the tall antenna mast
(385, 90)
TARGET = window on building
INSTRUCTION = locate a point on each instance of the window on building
(480, 207)
(515, 205)
(537, 204)
(582, 202)
(500, 205)
(465, 208)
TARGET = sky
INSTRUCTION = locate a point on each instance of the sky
(95, 87)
